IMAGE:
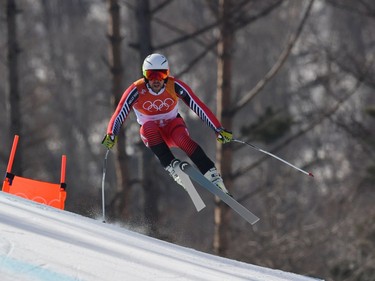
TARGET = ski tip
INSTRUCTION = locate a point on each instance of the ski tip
(311, 175)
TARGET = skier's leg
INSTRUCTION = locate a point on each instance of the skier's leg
(180, 135)
(208, 168)
(152, 138)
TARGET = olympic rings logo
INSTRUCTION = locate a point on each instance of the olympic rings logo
(158, 105)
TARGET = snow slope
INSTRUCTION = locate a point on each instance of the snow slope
(38, 242)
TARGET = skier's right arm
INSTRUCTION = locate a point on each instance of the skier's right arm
(119, 116)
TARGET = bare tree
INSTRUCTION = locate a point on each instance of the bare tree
(223, 153)
(150, 187)
(120, 206)
(232, 18)
(13, 103)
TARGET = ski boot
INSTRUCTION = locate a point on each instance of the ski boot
(213, 176)
(170, 169)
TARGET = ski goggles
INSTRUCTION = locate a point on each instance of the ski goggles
(156, 74)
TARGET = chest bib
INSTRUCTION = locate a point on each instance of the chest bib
(155, 107)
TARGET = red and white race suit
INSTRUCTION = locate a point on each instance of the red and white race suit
(160, 108)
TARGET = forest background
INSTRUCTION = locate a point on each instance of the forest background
(296, 78)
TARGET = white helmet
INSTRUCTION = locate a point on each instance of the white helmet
(156, 62)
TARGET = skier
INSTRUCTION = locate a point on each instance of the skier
(154, 100)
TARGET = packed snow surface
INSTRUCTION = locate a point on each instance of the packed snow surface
(38, 242)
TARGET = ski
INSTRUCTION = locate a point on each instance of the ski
(189, 187)
(197, 176)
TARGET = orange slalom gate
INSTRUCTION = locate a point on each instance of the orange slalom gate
(42, 192)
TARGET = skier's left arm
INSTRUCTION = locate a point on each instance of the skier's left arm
(185, 93)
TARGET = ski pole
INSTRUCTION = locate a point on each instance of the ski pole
(274, 156)
(103, 181)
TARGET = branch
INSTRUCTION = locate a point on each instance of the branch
(178, 31)
(313, 124)
(161, 6)
(368, 11)
(243, 22)
(186, 37)
(277, 66)
(239, 24)
(197, 59)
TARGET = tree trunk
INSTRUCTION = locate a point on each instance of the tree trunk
(122, 203)
(223, 153)
(13, 100)
(150, 187)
